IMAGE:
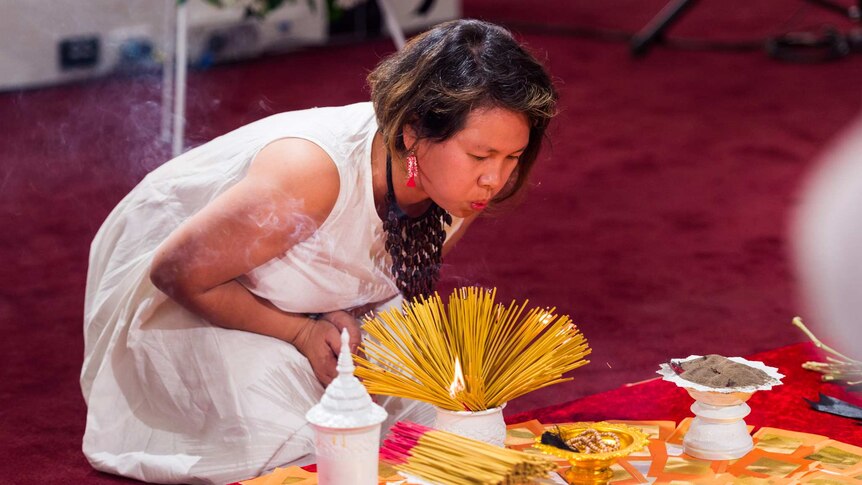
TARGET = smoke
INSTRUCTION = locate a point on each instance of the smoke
(265, 105)
(288, 221)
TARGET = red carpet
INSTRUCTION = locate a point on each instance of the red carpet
(657, 219)
(782, 407)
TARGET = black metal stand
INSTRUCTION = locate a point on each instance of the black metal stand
(654, 31)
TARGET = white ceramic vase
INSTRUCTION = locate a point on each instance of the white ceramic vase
(346, 427)
(347, 455)
(487, 425)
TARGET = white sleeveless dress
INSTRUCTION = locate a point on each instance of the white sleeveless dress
(174, 399)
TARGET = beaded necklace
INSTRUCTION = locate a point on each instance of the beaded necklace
(414, 243)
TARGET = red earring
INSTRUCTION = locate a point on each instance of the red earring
(412, 168)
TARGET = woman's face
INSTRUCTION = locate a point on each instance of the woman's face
(463, 173)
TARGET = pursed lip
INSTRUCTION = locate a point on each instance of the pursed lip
(478, 205)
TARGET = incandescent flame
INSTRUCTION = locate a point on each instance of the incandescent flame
(458, 381)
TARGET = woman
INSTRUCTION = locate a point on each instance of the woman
(218, 287)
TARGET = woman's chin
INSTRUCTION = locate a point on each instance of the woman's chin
(459, 212)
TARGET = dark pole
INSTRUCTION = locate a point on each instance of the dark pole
(654, 30)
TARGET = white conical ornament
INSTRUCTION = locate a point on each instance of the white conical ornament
(347, 427)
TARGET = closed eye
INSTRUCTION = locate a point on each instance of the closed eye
(480, 158)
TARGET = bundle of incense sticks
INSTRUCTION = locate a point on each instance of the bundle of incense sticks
(838, 367)
(448, 458)
(473, 354)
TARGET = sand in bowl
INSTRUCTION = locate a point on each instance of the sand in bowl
(720, 386)
(719, 372)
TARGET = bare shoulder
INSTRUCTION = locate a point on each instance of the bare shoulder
(298, 170)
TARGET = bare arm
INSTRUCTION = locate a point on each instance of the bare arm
(288, 192)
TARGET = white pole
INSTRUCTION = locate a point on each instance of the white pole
(167, 68)
(180, 83)
(392, 23)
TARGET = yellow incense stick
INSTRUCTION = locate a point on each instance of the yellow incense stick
(472, 354)
(448, 458)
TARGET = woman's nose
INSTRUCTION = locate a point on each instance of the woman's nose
(488, 181)
(492, 176)
(489, 178)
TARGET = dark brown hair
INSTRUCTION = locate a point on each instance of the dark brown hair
(441, 75)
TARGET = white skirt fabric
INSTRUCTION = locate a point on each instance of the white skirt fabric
(172, 398)
(189, 402)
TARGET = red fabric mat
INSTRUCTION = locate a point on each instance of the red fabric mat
(782, 407)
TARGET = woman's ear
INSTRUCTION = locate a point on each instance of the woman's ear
(408, 135)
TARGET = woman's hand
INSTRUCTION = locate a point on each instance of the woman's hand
(319, 341)
(341, 320)
(346, 319)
